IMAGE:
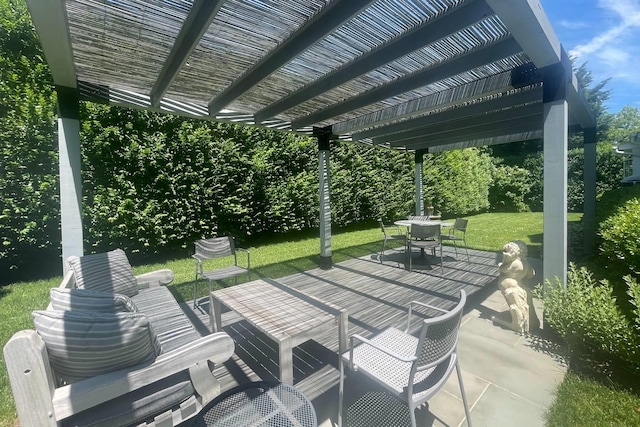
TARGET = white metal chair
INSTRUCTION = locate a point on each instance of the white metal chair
(387, 236)
(411, 368)
(424, 237)
(218, 247)
(458, 233)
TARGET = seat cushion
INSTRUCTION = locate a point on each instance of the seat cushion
(171, 324)
(88, 300)
(137, 406)
(104, 272)
(83, 344)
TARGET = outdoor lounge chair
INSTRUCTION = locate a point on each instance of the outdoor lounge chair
(112, 349)
(411, 368)
(218, 247)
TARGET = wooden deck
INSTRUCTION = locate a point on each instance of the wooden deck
(375, 296)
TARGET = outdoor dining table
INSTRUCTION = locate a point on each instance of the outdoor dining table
(407, 222)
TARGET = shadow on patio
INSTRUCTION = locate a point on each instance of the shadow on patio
(509, 379)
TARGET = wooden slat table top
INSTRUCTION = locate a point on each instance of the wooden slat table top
(275, 309)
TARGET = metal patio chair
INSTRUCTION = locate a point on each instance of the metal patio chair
(411, 368)
(387, 236)
(458, 233)
(218, 247)
(424, 237)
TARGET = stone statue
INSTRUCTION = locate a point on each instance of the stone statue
(513, 269)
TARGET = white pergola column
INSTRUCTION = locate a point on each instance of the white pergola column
(556, 122)
(324, 142)
(419, 161)
(70, 168)
(589, 203)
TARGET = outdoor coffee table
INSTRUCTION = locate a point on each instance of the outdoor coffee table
(258, 404)
(287, 316)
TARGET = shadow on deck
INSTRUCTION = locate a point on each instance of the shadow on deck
(498, 365)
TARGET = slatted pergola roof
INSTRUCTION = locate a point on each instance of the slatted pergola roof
(410, 74)
(419, 75)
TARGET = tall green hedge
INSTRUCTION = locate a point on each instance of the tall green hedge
(28, 148)
(154, 182)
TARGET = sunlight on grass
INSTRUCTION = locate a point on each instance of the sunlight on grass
(587, 403)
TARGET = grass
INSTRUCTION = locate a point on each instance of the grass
(276, 258)
(585, 402)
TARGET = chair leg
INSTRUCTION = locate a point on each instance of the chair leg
(455, 247)
(466, 250)
(412, 414)
(195, 293)
(464, 395)
(340, 393)
(382, 253)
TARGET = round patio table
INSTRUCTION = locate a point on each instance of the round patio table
(259, 403)
(408, 222)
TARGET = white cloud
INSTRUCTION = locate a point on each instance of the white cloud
(628, 13)
(573, 25)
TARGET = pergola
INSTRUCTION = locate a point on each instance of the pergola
(418, 75)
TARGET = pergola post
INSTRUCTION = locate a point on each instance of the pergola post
(419, 160)
(70, 168)
(324, 174)
(589, 203)
(556, 122)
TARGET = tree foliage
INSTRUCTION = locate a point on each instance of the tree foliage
(623, 124)
(28, 155)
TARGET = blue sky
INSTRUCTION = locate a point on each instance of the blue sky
(606, 35)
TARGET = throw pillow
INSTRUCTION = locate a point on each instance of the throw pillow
(88, 300)
(104, 272)
(81, 344)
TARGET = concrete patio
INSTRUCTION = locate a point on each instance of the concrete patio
(509, 379)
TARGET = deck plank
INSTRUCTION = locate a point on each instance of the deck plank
(375, 295)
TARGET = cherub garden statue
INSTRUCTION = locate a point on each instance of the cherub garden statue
(513, 269)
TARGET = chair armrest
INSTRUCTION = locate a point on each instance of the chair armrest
(410, 310)
(385, 350)
(442, 310)
(68, 281)
(155, 278)
(198, 258)
(76, 397)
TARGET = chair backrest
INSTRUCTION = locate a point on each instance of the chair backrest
(461, 224)
(215, 247)
(382, 226)
(439, 335)
(431, 231)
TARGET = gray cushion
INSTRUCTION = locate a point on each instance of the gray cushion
(137, 406)
(172, 325)
(82, 344)
(104, 272)
(88, 300)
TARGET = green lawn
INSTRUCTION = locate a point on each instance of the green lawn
(270, 259)
(585, 402)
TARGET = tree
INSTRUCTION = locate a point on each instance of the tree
(623, 124)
